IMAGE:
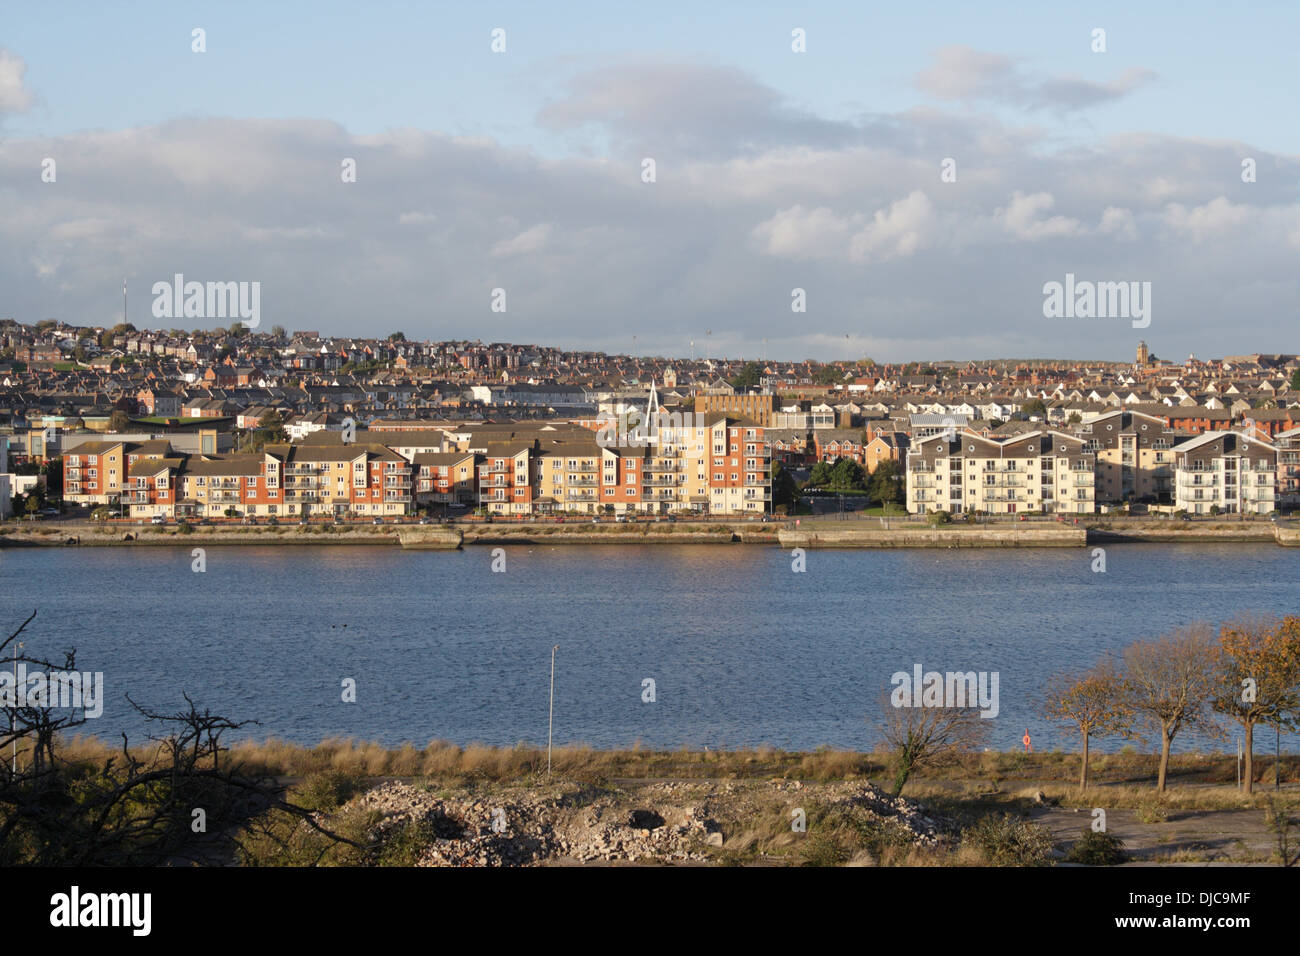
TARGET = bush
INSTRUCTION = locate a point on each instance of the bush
(1097, 849)
(936, 518)
(328, 789)
(185, 528)
(405, 845)
(1004, 840)
(1152, 810)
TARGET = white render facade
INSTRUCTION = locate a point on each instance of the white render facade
(1225, 473)
(1039, 471)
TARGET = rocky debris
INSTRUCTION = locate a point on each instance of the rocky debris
(898, 811)
(672, 822)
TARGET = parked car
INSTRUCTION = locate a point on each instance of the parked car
(273, 521)
(377, 520)
(621, 518)
(424, 519)
(158, 519)
(50, 512)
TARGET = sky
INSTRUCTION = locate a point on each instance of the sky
(918, 172)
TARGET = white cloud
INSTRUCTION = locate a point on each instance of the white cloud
(900, 231)
(528, 241)
(964, 73)
(1022, 218)
(803, 233)
(14, 95)
(1217, 219)
(1119, 223)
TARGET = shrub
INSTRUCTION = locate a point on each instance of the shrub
(822, 848)
(405, 845)
(1097, 849)
(1152, 810)
(936, 518)
(328, 789)
(185, 528)
(1004, 840)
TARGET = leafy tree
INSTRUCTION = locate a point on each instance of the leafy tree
(887, 485)
(1091, 701)
(271, 429)
(829, 375)
(1259, 678)
(397, 337)
(278, 333)
(1295, 380)
(1034, 408)
(783, 487)
(748, 377)
(119, 421)
(1075, 418)
(820, 476)
(846, 475)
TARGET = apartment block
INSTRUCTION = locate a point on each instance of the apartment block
(1226, 473)
(1135, 457)
(1044, 471)
(1288, 468)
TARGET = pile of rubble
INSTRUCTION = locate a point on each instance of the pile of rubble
(662, 822)
(897, 811)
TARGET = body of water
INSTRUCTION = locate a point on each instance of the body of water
(741, 649)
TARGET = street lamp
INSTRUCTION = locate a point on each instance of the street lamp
(550, 717)
(13, 717)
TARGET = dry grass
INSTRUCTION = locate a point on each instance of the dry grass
(1197, 782)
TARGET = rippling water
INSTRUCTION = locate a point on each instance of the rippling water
(742, 650)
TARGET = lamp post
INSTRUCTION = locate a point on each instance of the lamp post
(13, 717)
(550, 717)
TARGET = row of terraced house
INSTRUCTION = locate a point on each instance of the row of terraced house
(1116, 458)
(712, 464)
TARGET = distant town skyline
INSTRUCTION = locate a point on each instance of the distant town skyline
(915, 180)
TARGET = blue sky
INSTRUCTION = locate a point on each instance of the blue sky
(1226, 71)
(776, 170)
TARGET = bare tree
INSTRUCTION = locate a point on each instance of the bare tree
(1259, 678)
(132, 809)
(921, 737)
(1093, 701)
(1168, 683)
